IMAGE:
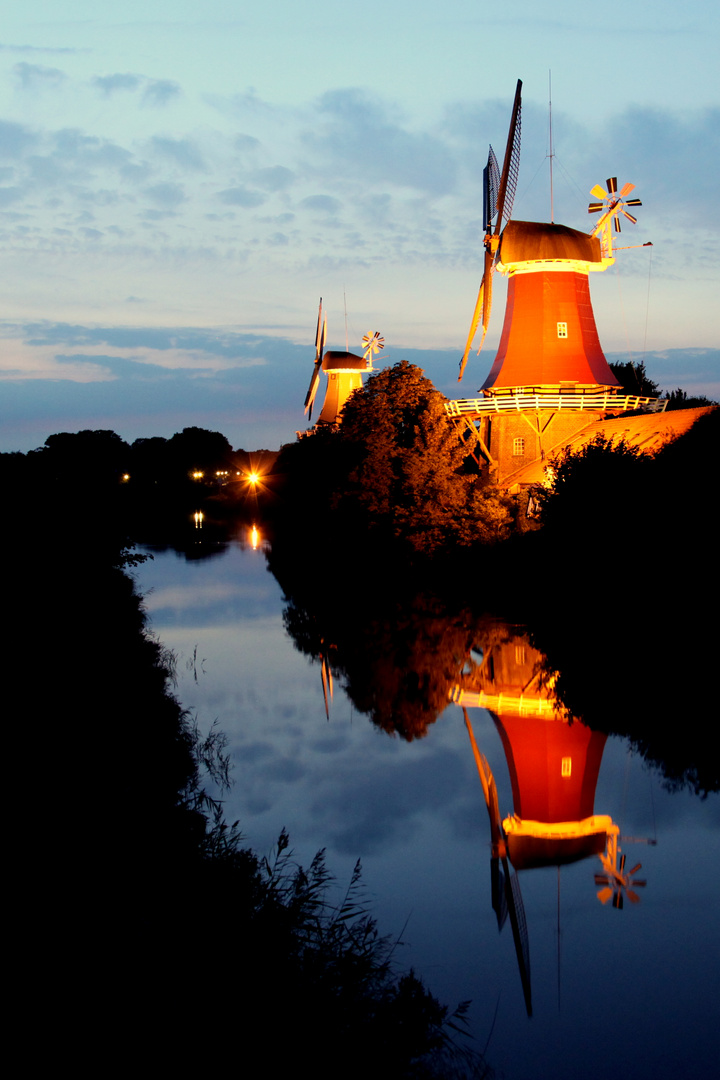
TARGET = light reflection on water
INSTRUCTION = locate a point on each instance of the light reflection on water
(638, 986)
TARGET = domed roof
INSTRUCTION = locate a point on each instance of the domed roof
(528, 241)
(343, 361)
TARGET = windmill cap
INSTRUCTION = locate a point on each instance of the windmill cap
(527, 241)
(343, 361)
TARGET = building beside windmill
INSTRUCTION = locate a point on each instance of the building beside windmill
(550, 379)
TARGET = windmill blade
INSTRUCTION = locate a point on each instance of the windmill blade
(327, 684)
(491, 186)
(629, 217)
(632, 896)
(605, 894)
(633, 202)
(612, 184)
(595, 207)
(473, 328)
(487, 295)
(511, 163)
(312, 391)
(626, 189)
(502, 207)
(516, 911)
(616, 222)
(318, 333)
(320, 338)
(599, 192)
(483, 307)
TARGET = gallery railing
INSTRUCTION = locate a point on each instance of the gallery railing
(604, 402)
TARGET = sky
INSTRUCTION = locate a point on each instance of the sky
(181, 182)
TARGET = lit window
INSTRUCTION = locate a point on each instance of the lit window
(562, 329)
(518, 447)
(566, 766)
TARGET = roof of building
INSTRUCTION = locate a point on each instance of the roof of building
(649, 432)
(527, 241)
(343, 361)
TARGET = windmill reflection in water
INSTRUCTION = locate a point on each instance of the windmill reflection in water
(554, 763)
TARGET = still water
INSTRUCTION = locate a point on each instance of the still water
(610, 989)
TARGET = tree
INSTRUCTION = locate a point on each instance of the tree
(634, 379)
(678, 399)
(197, 448)
(406, 467)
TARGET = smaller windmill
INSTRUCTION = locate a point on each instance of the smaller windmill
(344, 372)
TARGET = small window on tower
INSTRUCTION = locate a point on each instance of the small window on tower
(562, 329)
(566, 766)
(518, 447)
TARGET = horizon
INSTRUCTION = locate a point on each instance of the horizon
(178, 190)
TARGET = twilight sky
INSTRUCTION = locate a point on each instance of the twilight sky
(180, 182)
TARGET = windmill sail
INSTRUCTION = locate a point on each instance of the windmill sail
(504, 881)
(320, 336)
(498, 199)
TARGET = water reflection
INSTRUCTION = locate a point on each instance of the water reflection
(414, 809)
(554, 761)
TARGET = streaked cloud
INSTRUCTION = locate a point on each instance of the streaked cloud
(159, 92)
(110, 84)
(37, 77)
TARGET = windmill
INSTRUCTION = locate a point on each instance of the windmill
(344, 372)
(550, 377)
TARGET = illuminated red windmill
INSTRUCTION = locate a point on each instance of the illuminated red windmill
(549, 358)
(554, 764)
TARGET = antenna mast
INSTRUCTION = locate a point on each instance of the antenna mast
(552, 155)
(347, 343)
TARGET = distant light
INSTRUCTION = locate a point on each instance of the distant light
(253, 478)
(254, 537)
(198, 518)
(197, 475)
(125, 477)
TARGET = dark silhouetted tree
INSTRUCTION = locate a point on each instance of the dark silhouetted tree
(406, 467)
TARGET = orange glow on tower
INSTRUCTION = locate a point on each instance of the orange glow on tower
(549, 340)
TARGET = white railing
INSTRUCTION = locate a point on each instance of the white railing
(500, 703)
(604, 402)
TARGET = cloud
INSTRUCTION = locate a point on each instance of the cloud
(355, 131)
(159, 92)
(240, 196)
(9, 195)
(109, 84)
(275, 178)
(35, 77)
(166, 194)
(15, 139)
(326, 204)
(674, 156)
(246, 143)
(40, 49)
(181, 152)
